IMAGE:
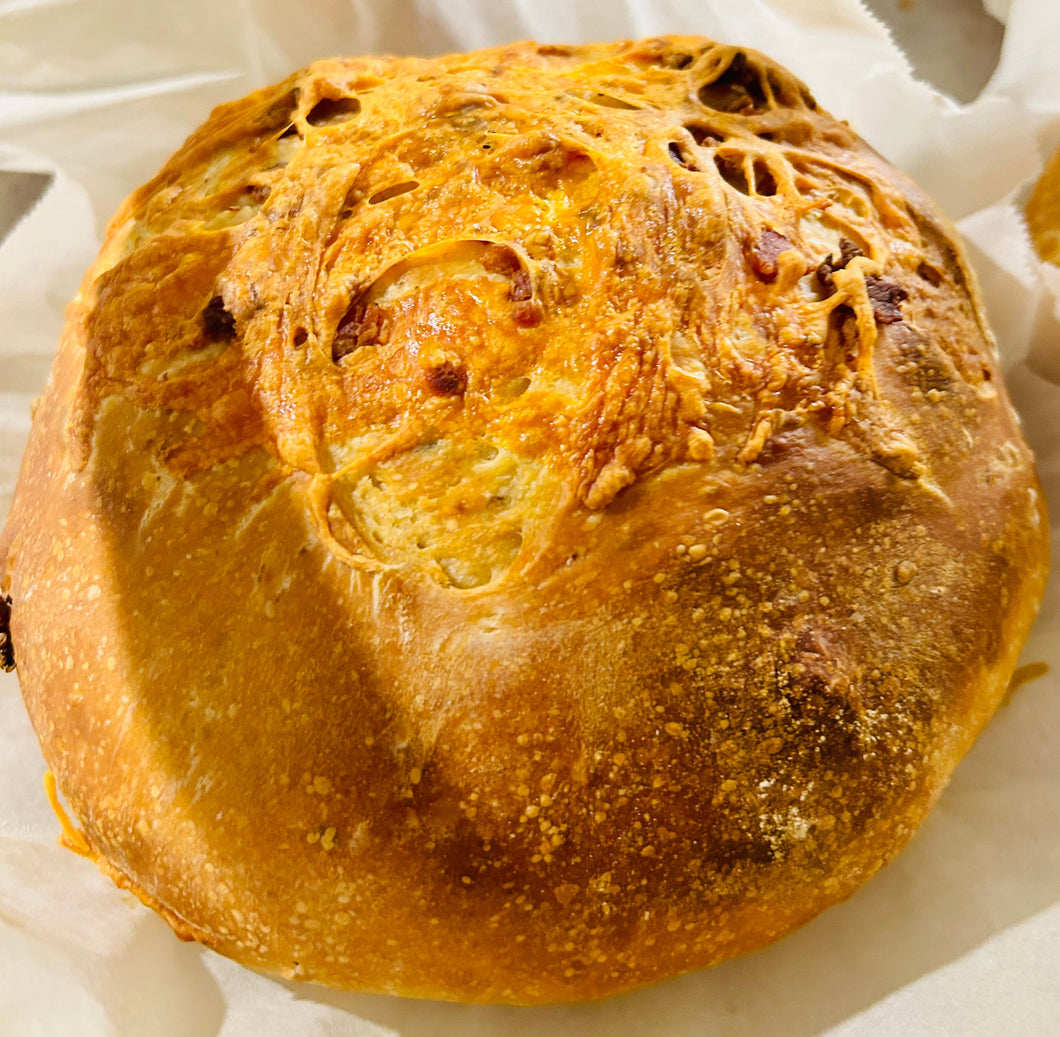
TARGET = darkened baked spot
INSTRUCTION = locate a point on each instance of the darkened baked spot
(446, 379)
(885, 298)
(847, 251)
(522, 287)
(765, 253)
(7, 648)
(217, 322)
(361, 325)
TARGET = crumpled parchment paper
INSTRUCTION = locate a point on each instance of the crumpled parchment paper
(960, 936)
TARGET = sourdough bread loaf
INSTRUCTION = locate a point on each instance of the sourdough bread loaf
(518, 525)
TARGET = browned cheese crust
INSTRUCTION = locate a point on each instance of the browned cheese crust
(514, 526)
(1043, 211)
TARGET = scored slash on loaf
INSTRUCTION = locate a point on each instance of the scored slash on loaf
(517, 525)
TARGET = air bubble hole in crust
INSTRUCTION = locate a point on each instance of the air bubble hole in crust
(516, 387)
(394, 191)
(737, 90)
(330, 111)
(929, 273)
(605, 100)
(733, 170)
(765, 185)
(680, 156)
(704, 136)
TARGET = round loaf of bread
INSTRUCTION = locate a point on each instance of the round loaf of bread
(516, 526)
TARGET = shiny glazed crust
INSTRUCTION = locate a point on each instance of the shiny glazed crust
(516, 526)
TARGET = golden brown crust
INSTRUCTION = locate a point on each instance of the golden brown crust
(1043, 211)
(515, 526)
